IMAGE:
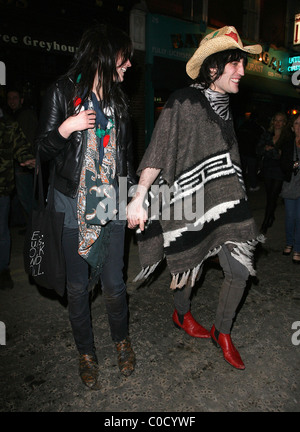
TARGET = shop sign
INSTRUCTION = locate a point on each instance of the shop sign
(294, 64)
(171, 38)
(269, 64)
(296, 40)
(294, 69)
(28, 41)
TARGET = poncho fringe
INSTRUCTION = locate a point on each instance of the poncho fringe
(242, 252)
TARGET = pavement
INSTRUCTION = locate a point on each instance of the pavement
(174, 372)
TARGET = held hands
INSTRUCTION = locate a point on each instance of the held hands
(84, 120)
(136, 212)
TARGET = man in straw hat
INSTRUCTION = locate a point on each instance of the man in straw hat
(194, 152)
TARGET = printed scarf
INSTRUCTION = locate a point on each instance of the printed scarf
(96, 204)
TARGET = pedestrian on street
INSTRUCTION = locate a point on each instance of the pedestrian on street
(85, 133)
(28, 122)
(269, 149)
(290, 192)
(248, 135)
(194, 151)
(14, 147)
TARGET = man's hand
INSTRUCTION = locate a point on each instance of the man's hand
(136, 212)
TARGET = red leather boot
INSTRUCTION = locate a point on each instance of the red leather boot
(190, 325)
(230, 353)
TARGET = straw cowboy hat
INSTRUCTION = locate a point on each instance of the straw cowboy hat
(218, 40)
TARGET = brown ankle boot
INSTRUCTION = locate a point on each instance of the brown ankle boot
(126, 357)
(88, 369)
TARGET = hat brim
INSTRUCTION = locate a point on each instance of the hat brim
(213, 46)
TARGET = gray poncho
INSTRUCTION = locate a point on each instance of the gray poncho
(197, 153)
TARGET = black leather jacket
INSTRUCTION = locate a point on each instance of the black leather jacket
(287, 160)
(68, 153)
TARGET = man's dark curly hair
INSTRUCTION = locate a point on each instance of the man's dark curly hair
(218, 61)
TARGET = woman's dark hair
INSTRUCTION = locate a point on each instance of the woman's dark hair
(98, 50)
(218, 61)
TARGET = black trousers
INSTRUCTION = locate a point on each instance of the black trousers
(112, 284)
(273, 189)
(231, 293)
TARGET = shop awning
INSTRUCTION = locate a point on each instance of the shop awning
(269, 86)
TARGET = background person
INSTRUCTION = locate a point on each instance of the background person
(28, 122)
(248, 135)
(290, 165)
(269, 148)
(13, 147)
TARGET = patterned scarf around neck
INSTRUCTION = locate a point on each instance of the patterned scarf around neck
(96, 204)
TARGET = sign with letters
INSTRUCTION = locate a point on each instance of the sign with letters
(28, 41)
(296, 39)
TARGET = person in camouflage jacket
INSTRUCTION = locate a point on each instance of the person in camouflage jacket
(13, 146)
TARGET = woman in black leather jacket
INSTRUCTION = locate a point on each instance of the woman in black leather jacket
(85, 134)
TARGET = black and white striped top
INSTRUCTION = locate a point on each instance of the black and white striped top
(218, 101)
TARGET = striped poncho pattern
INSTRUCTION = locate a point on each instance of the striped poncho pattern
(197, 153)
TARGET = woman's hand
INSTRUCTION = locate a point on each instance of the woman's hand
(136, 212)
(84, 120)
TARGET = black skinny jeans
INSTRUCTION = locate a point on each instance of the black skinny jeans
(113, 288)
(273, 189)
